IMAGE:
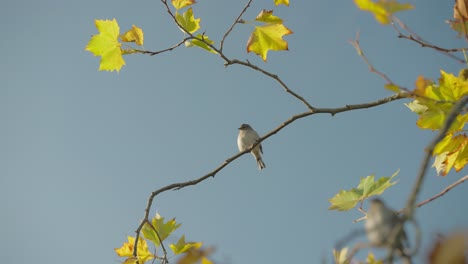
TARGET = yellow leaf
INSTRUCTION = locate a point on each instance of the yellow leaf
(454, 155)
(201, 44)
(187, 21)
(268, 17)
(340, 256)
(268, 37)
(128, 247)
(371, 259)
(178, 4)
(106, 45)
(451, 249)
(195, 255)
(281, 2)
(133, 35)
(382, 9)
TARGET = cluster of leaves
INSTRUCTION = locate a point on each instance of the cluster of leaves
(156, 232)
(266, 36)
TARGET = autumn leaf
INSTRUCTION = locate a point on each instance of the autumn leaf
(382, 9)
(106, 45)
(371, 259)
(451, 152)
(281, 2)
(163, 229)
(181, 246)
(346, 200)
(268, 37)
(134, 35)
(187, 21)
(178, 4)
(194, 256)
(128, 247)
(267, 16)
(340, 256)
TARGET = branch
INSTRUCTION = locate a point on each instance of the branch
(233, 24)
(414, 37)
(152, 53)
(180, 185)
(444, 191)
(271, 75)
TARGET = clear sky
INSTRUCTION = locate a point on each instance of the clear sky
(81, 150)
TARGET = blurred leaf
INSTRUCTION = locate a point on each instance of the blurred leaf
(452, 249)
(158, 225)
(340, 256)
(281, 2)
(182, 246)
(382, 9)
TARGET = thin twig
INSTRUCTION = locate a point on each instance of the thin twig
(416, 38)
(233, 25)
(152, 53)
(160, 242)
(444, 191)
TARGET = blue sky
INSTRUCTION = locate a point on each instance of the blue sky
(82, 150)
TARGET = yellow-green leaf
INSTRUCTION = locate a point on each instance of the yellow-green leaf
(178, 4)
(134, 35)
(452, 153)
(393, 87)
(281, 2)
(128, 247)
(371, 259)
(345, 200)
(382, 9)
(163, 229)
(370, 187)
(106, 45)
(187, 21)
(268, 37)
(267, 16)
(201, 44)
(181, 246)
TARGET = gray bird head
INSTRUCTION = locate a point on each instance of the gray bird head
(245, 127)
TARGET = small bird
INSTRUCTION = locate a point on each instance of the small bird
(248, 136)
(379, 225)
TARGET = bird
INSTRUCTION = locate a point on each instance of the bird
(379, 225)
(247, 137)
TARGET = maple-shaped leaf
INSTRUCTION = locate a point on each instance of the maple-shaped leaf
(181, 246)
(382, 9)
(133, 35)
(370, 187)
(201, 44)
(452, 152)
(340, 256)
(268, 37)
(163, 229)
(281, 2)
(178, 4)
(127, 251)
(187, 21)
(346, 200)
(435, 101)
(106, 45)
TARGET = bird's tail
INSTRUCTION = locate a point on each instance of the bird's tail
(260, 163)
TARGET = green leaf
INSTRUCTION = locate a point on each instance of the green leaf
(163, 229)
(187, 21)
(345, 200)
(201, 44)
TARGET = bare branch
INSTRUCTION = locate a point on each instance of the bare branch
(444, 191)
(152, 53)
(425, 44)
(233, 25)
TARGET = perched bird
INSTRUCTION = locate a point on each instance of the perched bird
(379, 225)
(248, 136)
